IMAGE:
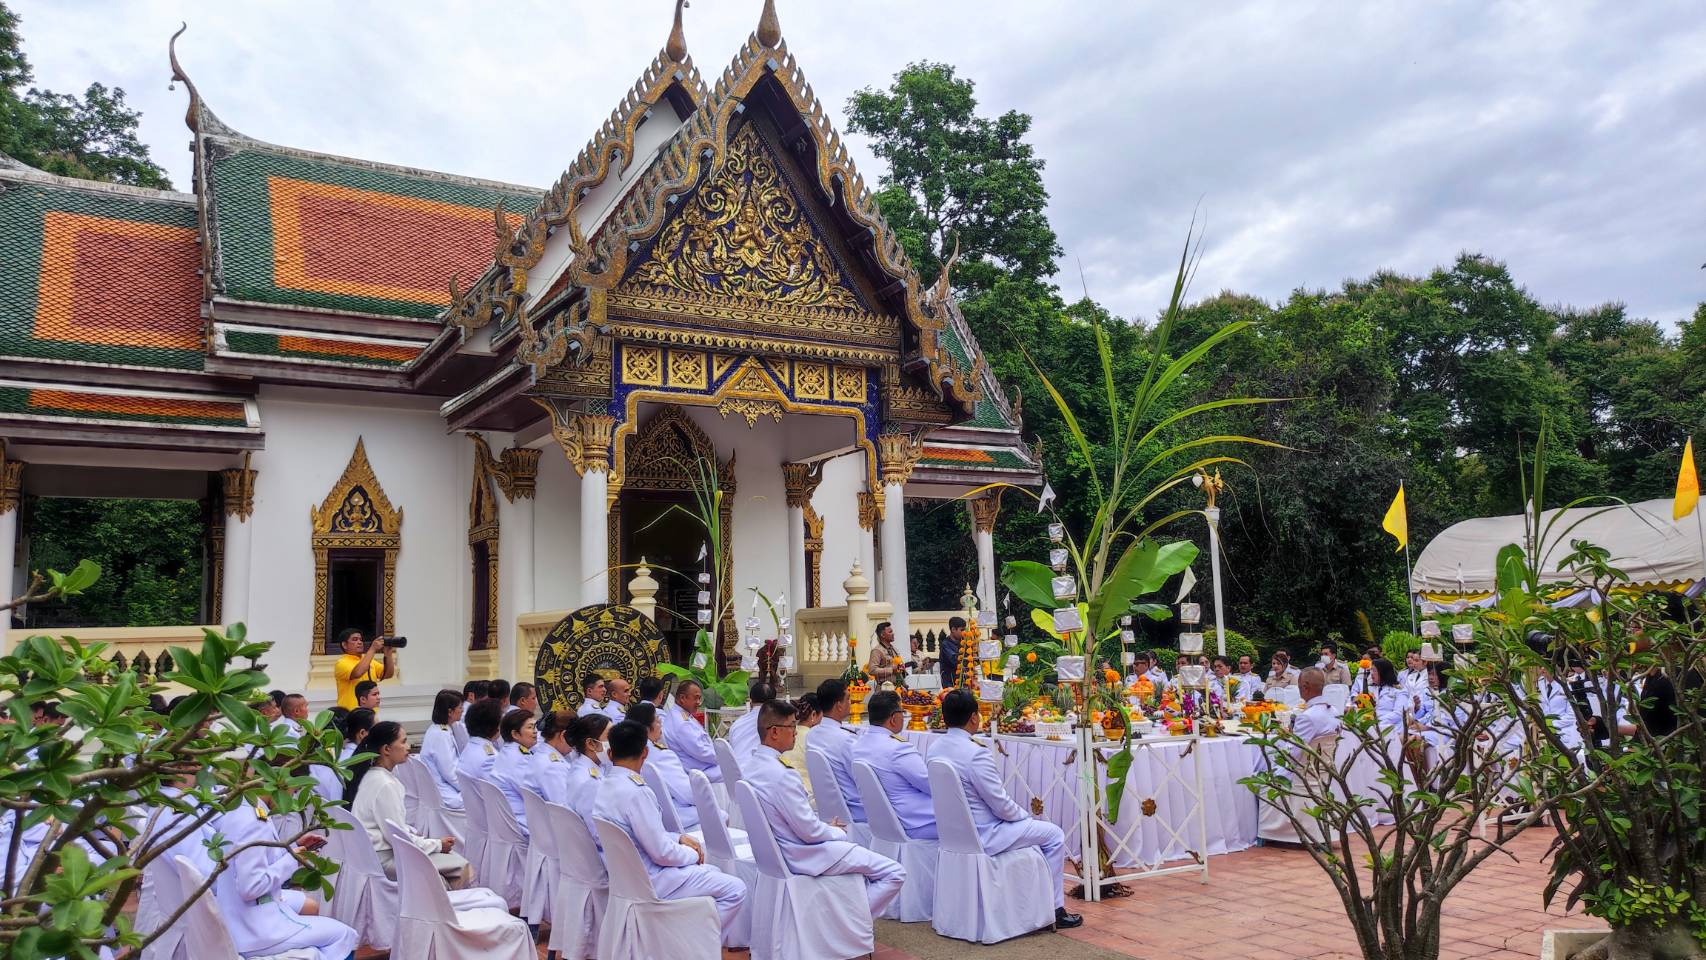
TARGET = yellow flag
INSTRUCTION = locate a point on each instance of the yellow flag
(1687, 484)
(1397, 520)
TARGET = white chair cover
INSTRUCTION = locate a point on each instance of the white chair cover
(459, 733)
(666, 802)
(506, 845)
(363, 897)
(205, 934)
(982, 898)
(1337, 695)
(917, 898)
(1274, 826)
(583, 888)
(429, 927)
(1283, 695)
(160, 893)
(730, 767)
(725, 851)
(795, 916)
(474, 832)
(639, 926)
(831, 803)
(431, 817)
(539, 881)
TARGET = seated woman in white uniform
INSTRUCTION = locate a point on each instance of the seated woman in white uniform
(438, 747)
(376, 795)
(589, 735)
(513, 769)
(666, 763)
(1392, 704)
(553, 758)
(476, 759)
(263, 917)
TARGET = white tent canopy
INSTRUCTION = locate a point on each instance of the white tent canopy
(1644, 541)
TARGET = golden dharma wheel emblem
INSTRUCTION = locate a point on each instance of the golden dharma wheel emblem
(611, 640)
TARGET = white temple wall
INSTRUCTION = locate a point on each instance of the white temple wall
(424, 471)
(556, 534)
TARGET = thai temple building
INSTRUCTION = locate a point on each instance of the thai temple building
(451, 409)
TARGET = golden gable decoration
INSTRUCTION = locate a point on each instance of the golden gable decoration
(744, 235)
(356, 515)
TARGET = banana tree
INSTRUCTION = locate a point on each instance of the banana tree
(1115, 560)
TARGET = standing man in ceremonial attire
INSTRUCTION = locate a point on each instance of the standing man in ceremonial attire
(1002, 825)
(359, 663)
(810, 846)
(675, 862)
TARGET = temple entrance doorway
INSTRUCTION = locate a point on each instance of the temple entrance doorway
(658, 528)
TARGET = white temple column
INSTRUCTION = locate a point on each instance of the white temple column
(238, 487)
(983, 512)
(800, 481)
(898, 454)
(595, 431)
(518, 478)
(11, 496)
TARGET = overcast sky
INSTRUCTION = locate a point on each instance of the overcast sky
(1324, 141)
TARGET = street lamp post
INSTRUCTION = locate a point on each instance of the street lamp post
(1212, 486)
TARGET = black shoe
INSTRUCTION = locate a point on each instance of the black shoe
(1066, 921)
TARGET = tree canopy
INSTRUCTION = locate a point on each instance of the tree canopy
(92, 136)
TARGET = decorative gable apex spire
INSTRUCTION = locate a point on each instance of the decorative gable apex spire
(676, 48)
(769, 28)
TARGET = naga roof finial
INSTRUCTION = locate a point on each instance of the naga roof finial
(178, 74)
(676, 48)
(769, 28)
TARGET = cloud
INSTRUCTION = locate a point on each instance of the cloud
(1322, 141)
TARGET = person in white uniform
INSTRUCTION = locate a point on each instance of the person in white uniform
(476, 759)
(899, 766)
(1554, 698)
(743, 733)
(618, 695)
(1001, 823)
(810, 846)
(1249, 681)
(525, 697)
(592, 695)
(261, 915)
(833, 738)
(354, 724)
(589, 735)
(667, 764)
(512, 771)
(376, 795)
(676, 862)
(1414, 677)
(1392, 704)
(438, 747)
(686, 735)
(552, 758)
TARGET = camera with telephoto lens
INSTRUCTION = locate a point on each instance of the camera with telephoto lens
(395, 643)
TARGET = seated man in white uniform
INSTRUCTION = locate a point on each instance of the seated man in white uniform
(1249, 681)
(1315, 725)
(667, 764)
(1002, 824)
(833, 738)
(810, 846)
(617, 696)
(899, 766)
(676, 863)
(263, 917)
(686, 735)
(743, 733)
(592, 696)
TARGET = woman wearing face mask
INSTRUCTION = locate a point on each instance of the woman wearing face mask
(376, 795)
(589, 737)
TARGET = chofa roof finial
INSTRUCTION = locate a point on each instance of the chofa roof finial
(676, 48)
(178, 74)
(769, 28)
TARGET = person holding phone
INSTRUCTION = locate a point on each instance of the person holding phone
(361, 661)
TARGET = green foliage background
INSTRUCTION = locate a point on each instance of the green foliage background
(150, 550)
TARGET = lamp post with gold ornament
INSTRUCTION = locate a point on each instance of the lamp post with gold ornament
(1212, 487)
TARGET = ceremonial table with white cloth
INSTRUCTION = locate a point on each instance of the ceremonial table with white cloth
(1159, 804)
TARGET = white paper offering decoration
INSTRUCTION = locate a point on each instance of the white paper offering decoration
(1067, 620)
(986, 618)
(1430, 629)
(1126, 636)
(1011, 640)
(1128, 658)
(1057, 532)
(1190, 643)
(988, 650)
(1068, 669)
(704, 617)
(1057, 558)
(704, 578)
(1065, 587)
(699, 660)
(787, 663)
(1462, 632)
(1012, 665)
(1190, 612)
(704, 598)
(749, 664)
(990, 691)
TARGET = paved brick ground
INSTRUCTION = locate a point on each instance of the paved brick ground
(1276, 904)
